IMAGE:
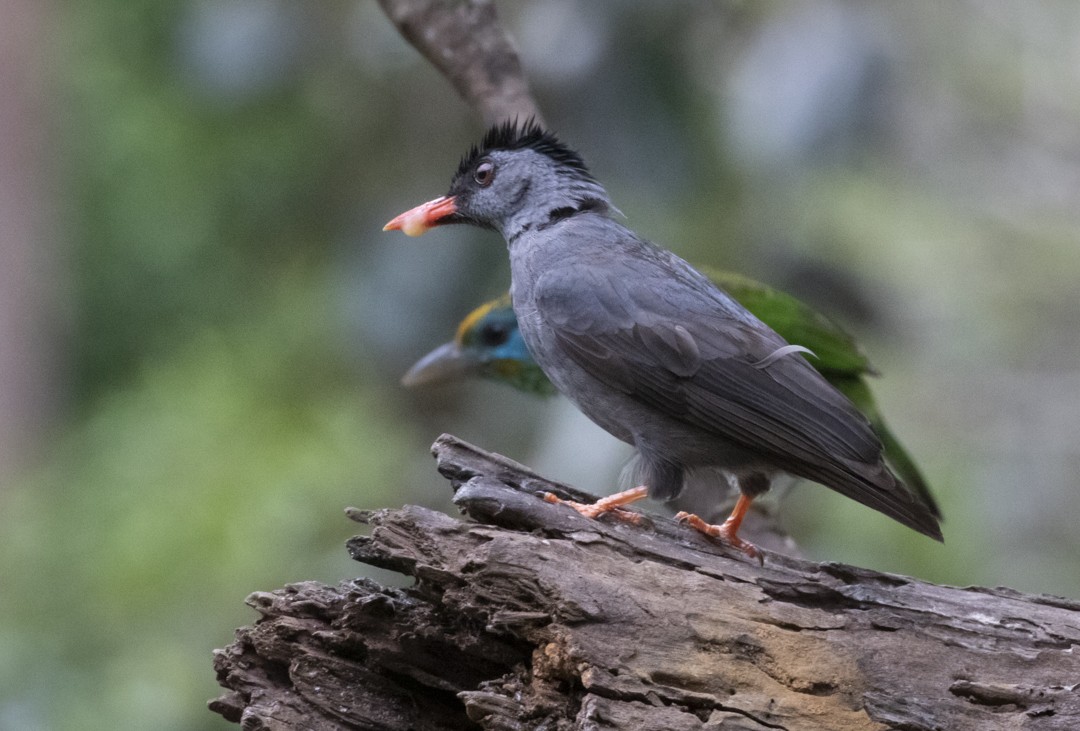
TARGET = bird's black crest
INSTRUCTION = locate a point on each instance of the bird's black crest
(510, 135)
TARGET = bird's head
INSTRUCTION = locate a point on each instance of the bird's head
(488, 344)
(520, 176)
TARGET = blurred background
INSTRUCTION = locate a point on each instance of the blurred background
(202, 327)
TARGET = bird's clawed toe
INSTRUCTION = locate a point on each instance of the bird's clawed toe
(610, 504)
(726, 533)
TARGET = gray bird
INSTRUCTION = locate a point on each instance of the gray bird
(650, 349)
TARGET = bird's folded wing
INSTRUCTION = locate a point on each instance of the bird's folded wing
(681, 350)
(836, 351)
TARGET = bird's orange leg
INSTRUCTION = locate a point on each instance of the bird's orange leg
(611, 504)
(728, 531)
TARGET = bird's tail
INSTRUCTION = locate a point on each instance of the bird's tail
(857, 390)
(877, 487)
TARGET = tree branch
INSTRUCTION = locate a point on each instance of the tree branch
(535, 617)
(465, 42)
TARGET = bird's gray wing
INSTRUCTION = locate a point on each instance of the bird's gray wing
(679, 347)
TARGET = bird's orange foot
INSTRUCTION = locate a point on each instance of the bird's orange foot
(610, 504)
(726, 533)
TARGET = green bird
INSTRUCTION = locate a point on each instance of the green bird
(489, 345)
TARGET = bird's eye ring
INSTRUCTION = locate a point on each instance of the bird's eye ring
(485, 173)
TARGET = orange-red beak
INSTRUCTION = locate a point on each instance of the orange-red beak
(417, 221)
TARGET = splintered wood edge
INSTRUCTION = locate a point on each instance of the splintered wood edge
(459, 461)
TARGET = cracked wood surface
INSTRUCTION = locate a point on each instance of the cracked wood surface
(532, 617)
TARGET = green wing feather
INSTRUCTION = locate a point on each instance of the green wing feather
(795, 321)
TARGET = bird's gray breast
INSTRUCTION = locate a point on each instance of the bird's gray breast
(532, 256)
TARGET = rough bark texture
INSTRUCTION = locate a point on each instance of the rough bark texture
(465, 42)
(532, 617)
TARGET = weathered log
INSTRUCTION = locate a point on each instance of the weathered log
(532, 617)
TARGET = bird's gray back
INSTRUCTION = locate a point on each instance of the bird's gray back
(648, 347)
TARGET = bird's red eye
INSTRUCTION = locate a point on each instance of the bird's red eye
(485, 173)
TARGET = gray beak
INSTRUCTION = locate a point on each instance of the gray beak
(446, 363)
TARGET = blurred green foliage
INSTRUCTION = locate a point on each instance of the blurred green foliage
(183, 204)
(219, 422)
(214, 472)
(240, 324)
